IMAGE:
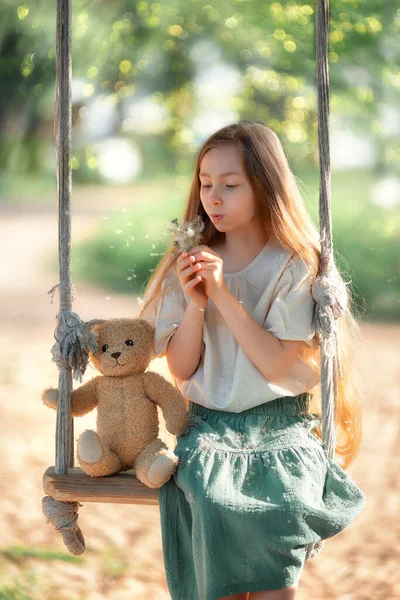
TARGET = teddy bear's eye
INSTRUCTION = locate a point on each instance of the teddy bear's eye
(129, 343)
(105, 347)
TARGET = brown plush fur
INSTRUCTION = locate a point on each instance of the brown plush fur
(126, 397)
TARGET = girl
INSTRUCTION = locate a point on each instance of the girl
(254, 490)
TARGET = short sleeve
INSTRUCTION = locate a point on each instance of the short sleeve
(292, 311)
(165, 313)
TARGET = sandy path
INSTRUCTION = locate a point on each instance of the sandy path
(124, 557)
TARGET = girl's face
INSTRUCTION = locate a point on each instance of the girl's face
(226, 191)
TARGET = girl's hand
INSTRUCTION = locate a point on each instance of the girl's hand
(190, 280)
(211, 269)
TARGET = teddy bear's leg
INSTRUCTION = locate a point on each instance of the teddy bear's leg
(155, 464)
(94, 457)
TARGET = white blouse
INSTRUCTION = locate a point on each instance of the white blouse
(275, 289)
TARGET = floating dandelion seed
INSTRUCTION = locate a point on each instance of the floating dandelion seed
(129, 224)
(105, 218)
(118, 231)
(132, 237)
(140, 301)
(112, 246)
(187, 235)
(124, 210)
(108, 298)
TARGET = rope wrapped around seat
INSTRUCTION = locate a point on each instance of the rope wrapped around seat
(64, 518)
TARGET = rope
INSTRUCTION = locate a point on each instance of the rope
(64, 518)
(330, 295)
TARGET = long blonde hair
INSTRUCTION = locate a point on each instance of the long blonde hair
(283, 215)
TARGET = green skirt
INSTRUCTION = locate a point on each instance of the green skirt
(252, 493)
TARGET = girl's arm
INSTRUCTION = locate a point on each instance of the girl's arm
(185, 346)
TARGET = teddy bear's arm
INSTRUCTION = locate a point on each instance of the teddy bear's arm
(169, 399)
(83, 399)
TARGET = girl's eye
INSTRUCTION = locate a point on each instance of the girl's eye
(105, 347)
(129, 343)
(229, 186)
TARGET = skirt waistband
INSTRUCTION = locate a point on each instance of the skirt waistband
(286, 405)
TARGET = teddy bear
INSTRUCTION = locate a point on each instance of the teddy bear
(126, 397)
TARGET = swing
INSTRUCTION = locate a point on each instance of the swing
(66, 486)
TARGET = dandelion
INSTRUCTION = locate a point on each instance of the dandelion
(187, 235)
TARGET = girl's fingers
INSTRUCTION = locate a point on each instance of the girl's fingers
(203, 248)
(193, 282)
(190, 270)
(203, 255)
(181, 264)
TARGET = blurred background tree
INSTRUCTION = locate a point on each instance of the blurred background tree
(162, 76)
(152, 80)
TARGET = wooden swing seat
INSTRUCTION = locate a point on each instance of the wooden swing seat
(123, 488)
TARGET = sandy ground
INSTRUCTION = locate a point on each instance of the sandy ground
(123, 559)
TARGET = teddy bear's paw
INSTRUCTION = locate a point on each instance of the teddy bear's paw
(162, 468)
(90, 449)
(50, 397)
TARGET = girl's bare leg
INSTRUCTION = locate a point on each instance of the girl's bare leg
(282, 594)
(236, 597)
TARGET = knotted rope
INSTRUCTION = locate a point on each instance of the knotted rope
(64, 518)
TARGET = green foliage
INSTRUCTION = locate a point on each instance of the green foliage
(130, 243)
(366, 242)
(128, 48)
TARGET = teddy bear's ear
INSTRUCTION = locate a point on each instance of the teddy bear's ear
(147, 326)
(91, 324)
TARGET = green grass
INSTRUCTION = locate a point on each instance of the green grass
(20, 553)
(24, 581)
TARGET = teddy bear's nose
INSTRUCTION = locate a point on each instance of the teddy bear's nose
(116, 354)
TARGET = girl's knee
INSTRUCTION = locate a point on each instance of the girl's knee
(235, 597)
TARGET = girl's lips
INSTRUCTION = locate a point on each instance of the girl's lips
(216, 217)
